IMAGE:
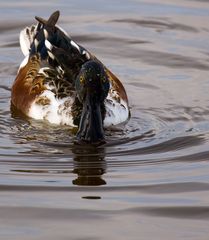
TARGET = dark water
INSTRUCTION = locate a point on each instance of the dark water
(151, 180)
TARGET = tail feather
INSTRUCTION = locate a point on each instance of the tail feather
(51, 21)
(53, 44)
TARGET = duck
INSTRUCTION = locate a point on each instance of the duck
(61, 82)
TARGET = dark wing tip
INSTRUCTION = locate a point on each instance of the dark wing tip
(52, 19)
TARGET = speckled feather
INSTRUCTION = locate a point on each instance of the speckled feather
(51, 64)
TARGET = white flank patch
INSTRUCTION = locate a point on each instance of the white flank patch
(116, 112)
(56, 112)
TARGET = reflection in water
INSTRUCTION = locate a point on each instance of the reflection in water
(89, 165)
(17, 114)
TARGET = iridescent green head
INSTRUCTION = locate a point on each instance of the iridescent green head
(92, 86)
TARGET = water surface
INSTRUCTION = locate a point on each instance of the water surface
(151, 179)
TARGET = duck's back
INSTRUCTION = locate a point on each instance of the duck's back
(44, 86)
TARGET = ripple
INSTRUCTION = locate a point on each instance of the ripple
(107, 39)
(159, 58)
(184, 212)
(13, 26)
(159, 25)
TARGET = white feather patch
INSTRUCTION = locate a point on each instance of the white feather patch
(58, 111)
(48, 45)
(26, 38)
(55, 112)
(75, 45)
(46, 34)
(24, 42)
(116, 112)
(36, 43)
(51, 55)
(86, 54)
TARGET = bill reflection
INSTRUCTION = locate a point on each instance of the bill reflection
(89, 165)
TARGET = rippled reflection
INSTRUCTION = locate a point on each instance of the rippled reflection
(89, 165)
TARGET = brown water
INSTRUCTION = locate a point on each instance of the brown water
(151, 180)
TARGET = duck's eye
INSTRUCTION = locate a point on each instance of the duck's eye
(81, 79)
(104, 79)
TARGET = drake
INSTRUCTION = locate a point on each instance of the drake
(63, 83)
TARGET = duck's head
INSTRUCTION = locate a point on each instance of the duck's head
(92, 86)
